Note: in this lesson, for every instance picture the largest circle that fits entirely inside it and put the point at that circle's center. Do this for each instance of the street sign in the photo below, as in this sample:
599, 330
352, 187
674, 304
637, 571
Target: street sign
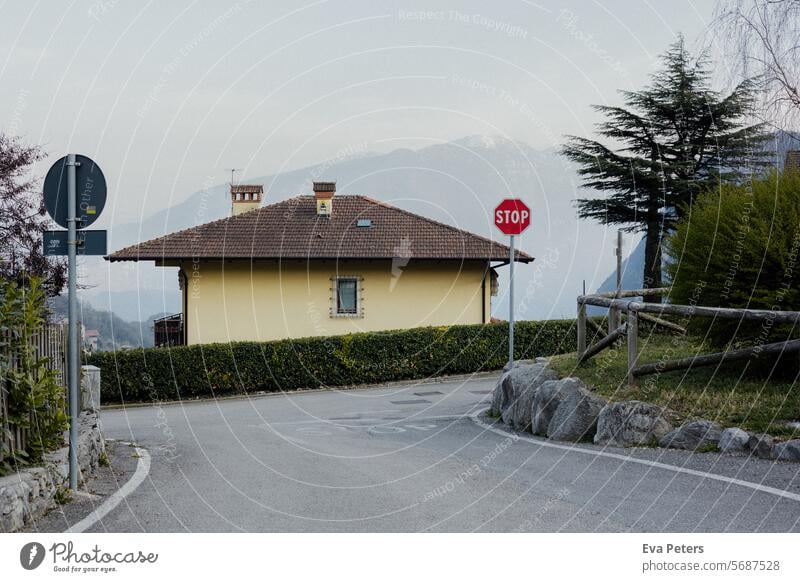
74, 195
90, 242
512, 216
90, 191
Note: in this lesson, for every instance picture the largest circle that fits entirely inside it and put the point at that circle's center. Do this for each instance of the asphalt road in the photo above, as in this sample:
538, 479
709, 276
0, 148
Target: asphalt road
410, 458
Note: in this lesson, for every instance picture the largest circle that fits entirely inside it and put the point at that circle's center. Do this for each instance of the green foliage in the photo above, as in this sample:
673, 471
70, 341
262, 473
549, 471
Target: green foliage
671, 139
35, 399
729, 394
186, 372
740, 247
62, 496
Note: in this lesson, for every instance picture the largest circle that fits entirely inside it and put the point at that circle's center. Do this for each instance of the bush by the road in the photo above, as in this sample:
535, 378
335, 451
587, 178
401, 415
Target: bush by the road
740, 247
185, 372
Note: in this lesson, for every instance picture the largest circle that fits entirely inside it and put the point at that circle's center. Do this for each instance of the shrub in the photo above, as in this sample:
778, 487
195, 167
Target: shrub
35, 399
184, 372
738, 247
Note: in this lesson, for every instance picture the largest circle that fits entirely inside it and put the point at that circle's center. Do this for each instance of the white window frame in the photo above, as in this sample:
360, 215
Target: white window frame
359, 312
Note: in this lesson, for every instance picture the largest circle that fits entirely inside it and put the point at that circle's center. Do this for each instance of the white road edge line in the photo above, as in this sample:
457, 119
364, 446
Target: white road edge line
142, 470
544, 443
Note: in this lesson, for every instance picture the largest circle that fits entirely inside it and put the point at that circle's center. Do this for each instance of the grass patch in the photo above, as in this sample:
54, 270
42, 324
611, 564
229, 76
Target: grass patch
732, 395
62, 496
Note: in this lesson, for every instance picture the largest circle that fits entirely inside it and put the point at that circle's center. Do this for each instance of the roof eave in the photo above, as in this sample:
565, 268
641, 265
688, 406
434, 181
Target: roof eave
118, 259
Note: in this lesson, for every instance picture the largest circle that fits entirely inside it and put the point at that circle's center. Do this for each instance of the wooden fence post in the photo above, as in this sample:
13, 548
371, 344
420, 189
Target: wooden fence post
633, 348
581, 328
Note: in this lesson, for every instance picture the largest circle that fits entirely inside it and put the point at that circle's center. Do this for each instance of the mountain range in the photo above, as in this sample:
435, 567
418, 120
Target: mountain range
458, 183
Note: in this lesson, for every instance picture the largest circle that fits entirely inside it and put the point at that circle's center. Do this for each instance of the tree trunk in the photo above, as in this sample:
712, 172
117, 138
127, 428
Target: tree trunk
652, 260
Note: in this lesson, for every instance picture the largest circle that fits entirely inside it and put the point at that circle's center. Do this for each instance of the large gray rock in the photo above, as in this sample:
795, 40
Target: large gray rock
693, 435
734, 441
519, 390
499, 402
631, 424
546, 400
498, 396
788, 451
761, 445
525, 395
576, 417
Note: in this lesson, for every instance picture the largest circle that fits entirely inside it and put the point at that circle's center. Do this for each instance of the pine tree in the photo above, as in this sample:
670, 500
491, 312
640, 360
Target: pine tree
673, 139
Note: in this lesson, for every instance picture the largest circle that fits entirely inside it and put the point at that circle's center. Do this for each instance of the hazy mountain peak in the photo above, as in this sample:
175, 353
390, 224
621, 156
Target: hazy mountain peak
489, 142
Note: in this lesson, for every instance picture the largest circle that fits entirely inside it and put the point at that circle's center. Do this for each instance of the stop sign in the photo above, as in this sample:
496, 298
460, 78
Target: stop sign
512, 216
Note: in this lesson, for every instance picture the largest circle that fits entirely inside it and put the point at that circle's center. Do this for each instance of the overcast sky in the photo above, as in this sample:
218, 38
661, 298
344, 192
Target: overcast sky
165, 96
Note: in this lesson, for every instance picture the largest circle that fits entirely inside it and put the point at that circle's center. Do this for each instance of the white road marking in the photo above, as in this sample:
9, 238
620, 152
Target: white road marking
142, 470
647, 463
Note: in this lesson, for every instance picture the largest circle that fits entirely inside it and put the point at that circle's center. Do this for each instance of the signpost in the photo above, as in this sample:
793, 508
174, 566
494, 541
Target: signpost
512, 216
74, 194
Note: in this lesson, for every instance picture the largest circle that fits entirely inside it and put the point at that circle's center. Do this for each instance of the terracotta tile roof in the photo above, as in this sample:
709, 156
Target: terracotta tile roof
292, 230
247, 188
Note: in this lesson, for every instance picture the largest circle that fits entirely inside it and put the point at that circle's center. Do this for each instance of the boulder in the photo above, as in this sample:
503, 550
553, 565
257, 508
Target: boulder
693, 435
546, 401
575, 418
503, 388
761, 445
788, 451
525, 395
498, 396
519, 390
734, 441
631, 424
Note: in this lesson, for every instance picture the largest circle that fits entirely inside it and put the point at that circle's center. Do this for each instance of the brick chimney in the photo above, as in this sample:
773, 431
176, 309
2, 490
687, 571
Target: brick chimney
245, 197
324, 193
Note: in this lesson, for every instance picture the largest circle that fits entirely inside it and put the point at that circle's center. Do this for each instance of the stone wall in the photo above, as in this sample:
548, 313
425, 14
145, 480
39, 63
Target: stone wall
31, 492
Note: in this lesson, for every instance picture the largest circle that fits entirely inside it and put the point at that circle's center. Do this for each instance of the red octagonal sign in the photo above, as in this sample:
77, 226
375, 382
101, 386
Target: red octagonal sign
512, 216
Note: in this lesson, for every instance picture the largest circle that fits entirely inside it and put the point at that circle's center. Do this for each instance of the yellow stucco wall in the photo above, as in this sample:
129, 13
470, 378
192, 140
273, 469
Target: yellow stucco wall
263, 301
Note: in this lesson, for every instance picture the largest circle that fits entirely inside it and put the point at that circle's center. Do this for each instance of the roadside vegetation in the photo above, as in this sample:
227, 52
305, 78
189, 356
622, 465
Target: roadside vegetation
203, 371
740, 247
35, 401
733, 394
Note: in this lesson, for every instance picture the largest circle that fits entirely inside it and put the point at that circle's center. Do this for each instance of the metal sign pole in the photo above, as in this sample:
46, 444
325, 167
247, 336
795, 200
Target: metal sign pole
72, 346
511, 305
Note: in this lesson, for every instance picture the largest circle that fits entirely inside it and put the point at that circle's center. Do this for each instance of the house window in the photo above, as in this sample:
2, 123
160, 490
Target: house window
346, 299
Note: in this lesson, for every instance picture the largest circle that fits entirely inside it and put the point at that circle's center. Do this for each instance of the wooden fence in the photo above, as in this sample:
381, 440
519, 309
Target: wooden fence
50, 343
617, 303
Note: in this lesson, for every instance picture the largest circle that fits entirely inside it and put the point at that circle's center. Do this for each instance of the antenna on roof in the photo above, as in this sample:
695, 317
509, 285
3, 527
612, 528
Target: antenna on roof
233, 171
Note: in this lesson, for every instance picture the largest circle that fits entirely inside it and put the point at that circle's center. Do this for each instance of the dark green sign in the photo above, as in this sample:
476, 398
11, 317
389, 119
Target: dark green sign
90, 242
90, 191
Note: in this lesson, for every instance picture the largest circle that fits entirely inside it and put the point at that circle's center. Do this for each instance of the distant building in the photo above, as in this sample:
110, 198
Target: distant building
90, 339
792, 161
321, 264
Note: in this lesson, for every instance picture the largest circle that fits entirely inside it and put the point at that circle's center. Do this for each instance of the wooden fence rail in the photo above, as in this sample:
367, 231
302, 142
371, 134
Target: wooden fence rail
49, 343
650, 312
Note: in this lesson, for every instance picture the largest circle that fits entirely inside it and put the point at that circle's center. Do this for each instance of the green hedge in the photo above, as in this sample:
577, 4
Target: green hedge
186, 372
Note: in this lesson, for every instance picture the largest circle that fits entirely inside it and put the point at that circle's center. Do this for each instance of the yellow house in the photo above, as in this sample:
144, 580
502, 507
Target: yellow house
321, 265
